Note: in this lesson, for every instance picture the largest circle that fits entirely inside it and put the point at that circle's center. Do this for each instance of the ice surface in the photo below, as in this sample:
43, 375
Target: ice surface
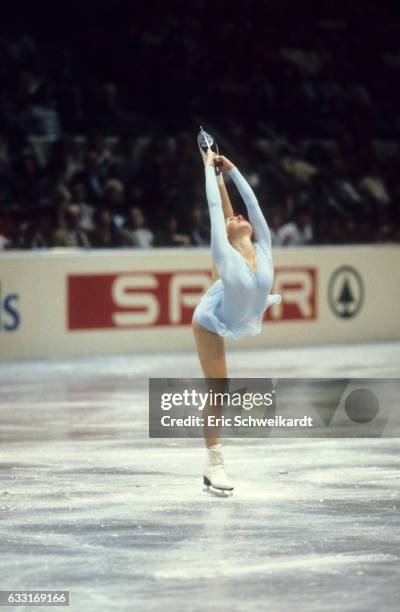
91, 505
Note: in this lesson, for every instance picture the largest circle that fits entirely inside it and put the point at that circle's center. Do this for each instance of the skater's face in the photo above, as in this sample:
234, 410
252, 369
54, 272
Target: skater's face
237, 227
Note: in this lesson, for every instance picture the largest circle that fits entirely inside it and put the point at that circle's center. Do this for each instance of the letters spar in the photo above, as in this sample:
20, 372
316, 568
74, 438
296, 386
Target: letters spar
184, 291
147, 299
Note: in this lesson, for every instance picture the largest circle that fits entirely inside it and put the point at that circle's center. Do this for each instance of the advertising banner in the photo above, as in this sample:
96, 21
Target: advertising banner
75, 302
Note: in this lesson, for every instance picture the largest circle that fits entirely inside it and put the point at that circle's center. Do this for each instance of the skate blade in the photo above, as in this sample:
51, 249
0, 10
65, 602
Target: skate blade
205, 141
208, 488
218, 492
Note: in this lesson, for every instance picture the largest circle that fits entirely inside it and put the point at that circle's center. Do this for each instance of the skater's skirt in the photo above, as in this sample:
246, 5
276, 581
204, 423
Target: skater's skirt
208, 315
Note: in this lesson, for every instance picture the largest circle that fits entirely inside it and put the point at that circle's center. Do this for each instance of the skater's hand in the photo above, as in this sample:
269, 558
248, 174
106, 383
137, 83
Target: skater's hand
209, 158
223, 163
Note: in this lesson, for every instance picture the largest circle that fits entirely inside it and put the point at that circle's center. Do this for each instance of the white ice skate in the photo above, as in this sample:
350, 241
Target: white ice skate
214, 477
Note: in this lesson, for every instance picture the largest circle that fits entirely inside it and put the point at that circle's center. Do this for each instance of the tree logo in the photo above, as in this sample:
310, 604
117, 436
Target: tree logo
345, 292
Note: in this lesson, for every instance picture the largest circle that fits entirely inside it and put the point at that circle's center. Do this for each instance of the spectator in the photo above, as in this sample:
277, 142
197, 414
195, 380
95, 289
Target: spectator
45, 117
41, 231
199, 231
134, 232
104, 156
34, 231
53, 187
91, 176
373, 186
28, 192
79, 197
274, 224
299, 169
21, 239
106, 235
322, 199
344, 188
299, 231
69, 232
114, 194
170, 237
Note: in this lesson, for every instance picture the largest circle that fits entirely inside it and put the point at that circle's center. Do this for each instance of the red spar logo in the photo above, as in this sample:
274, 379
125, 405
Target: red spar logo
147, 299
298, 288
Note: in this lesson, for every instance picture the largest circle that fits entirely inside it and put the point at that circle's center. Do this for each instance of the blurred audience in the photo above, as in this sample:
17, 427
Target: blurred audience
91, 157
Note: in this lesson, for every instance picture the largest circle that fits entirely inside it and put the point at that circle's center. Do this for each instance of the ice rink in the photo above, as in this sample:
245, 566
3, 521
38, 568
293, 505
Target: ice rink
91, 505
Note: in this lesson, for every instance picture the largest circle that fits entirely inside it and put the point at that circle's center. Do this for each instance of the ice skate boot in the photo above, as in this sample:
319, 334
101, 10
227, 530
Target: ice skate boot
214, 476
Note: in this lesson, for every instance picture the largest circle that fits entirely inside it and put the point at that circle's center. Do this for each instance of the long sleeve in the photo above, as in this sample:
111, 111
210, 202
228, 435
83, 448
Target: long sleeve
220, 247
256, 217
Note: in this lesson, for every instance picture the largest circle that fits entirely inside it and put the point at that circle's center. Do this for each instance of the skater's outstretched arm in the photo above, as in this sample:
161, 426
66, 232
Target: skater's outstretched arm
226, 202
256, 217
220, 247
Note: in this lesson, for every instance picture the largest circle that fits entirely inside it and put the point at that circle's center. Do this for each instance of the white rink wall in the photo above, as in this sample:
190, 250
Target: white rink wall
65, 303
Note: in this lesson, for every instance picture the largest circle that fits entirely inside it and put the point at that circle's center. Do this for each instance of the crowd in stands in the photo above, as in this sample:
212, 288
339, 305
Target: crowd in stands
98, 133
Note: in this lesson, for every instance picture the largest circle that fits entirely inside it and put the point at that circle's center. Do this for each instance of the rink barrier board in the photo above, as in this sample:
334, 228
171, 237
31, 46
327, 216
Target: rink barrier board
65, 303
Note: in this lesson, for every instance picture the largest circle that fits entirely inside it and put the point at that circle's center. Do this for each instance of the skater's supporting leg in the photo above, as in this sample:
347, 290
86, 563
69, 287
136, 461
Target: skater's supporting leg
211, 351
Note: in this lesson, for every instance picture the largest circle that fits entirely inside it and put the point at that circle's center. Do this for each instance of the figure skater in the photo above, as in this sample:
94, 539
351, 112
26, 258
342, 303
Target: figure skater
242, 274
